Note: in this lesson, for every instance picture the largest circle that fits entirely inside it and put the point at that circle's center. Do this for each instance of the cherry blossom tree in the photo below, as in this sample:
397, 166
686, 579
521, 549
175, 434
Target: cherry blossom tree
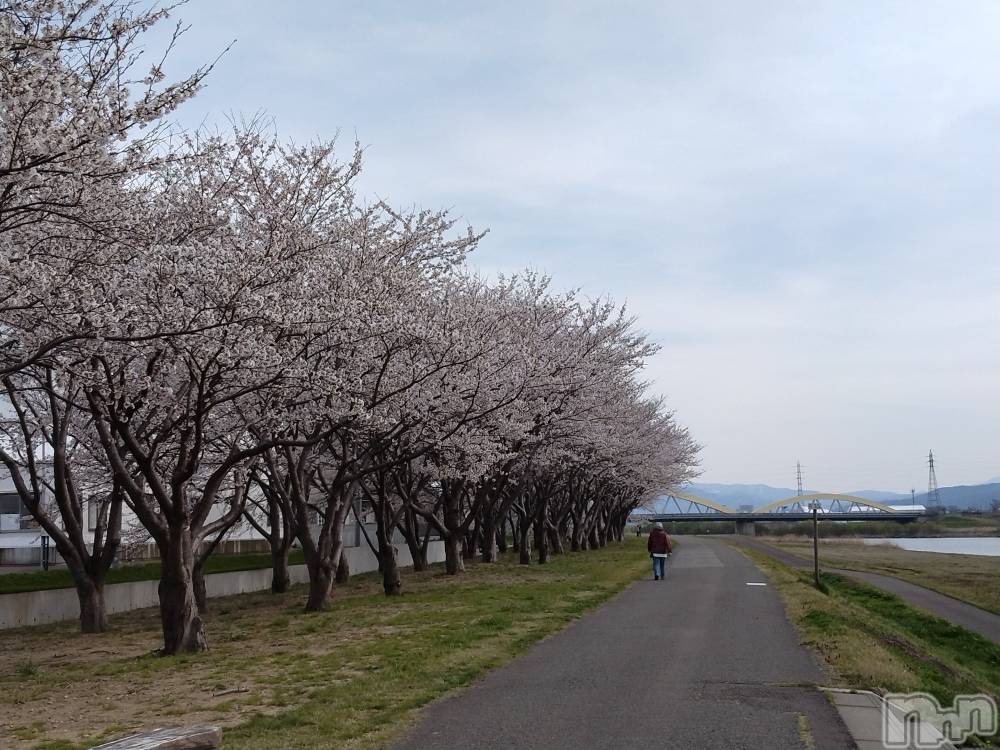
239, 237
373, 370
79, 120
208, 328
47, 446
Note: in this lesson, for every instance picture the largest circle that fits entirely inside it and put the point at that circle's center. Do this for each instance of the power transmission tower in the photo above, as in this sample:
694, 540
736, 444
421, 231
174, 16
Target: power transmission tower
798, 474
933, 496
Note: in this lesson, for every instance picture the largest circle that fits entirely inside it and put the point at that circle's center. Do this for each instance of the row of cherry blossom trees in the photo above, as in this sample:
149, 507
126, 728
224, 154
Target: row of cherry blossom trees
208, 329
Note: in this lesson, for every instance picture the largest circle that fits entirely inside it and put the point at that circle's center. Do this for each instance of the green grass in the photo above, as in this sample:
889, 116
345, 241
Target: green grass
353, 676
970, 578
949, 645
60, 578
929, 527
27, 668
965, 522
873, 640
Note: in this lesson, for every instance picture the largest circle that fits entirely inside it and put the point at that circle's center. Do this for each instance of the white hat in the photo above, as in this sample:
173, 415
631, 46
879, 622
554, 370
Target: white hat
657, 525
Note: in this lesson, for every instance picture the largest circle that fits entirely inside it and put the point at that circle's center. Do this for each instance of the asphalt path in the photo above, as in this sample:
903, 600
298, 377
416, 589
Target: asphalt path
968, 616
699, 660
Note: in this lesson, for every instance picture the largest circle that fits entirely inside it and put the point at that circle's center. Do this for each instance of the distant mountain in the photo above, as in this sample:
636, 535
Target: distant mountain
881, 496
759, 494
735, 495
972, 496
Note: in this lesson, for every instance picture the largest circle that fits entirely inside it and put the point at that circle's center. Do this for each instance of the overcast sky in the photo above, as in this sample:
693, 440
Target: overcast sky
799, 200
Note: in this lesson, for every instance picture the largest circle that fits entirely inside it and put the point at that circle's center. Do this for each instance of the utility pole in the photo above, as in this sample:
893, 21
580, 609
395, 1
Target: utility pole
933, 496
814, 506
913, 496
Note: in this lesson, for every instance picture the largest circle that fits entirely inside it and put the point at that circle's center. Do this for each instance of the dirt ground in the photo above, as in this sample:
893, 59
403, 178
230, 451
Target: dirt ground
61, 684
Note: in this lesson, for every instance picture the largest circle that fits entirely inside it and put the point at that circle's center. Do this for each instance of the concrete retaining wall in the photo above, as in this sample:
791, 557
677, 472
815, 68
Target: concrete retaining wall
55, 605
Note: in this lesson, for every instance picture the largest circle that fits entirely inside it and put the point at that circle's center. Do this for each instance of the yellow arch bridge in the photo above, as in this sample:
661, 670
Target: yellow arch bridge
683, 506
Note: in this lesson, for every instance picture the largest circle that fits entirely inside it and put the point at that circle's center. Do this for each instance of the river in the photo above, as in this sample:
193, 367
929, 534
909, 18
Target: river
987, 546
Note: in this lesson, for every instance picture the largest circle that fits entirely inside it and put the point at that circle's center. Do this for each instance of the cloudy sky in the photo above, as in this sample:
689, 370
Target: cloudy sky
799, 200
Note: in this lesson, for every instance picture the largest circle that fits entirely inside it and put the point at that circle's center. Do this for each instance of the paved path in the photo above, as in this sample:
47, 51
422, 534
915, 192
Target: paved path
987, 624
700, 660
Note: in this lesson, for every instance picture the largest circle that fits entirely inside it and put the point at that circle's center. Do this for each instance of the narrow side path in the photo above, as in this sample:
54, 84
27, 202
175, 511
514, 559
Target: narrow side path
699, 660
968, 616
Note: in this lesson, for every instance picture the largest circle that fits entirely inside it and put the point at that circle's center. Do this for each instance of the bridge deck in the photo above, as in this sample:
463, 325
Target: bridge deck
789, 516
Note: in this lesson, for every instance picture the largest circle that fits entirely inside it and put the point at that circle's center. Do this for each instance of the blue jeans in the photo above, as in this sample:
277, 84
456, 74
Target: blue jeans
659, 566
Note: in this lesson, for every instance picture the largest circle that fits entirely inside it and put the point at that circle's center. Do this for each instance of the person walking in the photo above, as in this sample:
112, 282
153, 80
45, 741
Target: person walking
660, 548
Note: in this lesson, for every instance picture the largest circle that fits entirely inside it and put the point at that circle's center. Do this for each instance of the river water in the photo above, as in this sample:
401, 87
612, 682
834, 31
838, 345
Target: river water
988, 546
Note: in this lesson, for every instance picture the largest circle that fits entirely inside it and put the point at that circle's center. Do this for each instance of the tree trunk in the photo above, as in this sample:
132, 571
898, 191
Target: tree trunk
576, 539
89, 587
323, 551
454, 539
471, 542
425, 542
419, 555
418, 549
555, 542
200, 591
391, 583
280, 580
524, 540
524, 550
388, 561
541, 543
541, 536
343, 568
410, 530
453, 561
502, 535
181, 621
321, 576
93, 618
603, 522
489, 541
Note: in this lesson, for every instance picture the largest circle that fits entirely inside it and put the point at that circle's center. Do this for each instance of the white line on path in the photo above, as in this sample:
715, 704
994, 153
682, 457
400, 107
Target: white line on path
756, 584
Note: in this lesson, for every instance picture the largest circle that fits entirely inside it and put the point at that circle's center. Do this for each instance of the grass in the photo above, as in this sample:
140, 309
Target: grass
966, 522
951, 525
352, 677
27, 669
971, 578
60, 578
873, 640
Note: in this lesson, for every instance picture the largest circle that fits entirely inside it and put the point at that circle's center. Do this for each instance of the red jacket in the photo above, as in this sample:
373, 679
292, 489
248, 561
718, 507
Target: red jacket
658, 542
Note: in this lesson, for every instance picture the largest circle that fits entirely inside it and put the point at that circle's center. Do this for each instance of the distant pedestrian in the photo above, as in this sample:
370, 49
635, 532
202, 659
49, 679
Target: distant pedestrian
660, 548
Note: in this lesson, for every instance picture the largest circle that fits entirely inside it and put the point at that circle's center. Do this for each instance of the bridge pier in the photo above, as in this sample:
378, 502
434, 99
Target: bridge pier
746, 528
